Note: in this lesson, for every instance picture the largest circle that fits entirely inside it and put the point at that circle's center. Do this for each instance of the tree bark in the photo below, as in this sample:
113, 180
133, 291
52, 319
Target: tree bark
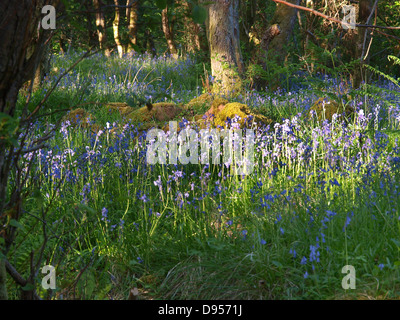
190, 28
90, 25
101, 27
150, 47
223, 37
168, 32
285, 18
117, 37
132, 18
3, 279
364, 11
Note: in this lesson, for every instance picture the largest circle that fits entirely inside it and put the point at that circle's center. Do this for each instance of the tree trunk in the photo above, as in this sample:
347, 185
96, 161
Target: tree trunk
117, 36
168, 32
364, 11
150, 47
21, 49
223, 37
3, 279
285, 18
101, 27
132, 18
191, 29
91, 32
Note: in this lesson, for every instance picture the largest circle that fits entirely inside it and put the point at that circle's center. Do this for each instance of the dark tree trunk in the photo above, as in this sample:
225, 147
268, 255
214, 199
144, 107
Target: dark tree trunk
285, 18
150, 47
364, 11
168, 32
191, 29
22, 46
90, 25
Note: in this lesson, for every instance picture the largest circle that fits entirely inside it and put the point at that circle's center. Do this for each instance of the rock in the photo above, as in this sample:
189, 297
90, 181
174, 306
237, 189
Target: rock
325, 109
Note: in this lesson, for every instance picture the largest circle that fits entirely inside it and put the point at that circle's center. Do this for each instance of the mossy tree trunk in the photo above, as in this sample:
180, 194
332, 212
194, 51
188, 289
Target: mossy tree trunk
227, 65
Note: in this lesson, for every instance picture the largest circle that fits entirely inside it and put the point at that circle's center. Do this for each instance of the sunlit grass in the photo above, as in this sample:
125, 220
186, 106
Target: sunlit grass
322, 195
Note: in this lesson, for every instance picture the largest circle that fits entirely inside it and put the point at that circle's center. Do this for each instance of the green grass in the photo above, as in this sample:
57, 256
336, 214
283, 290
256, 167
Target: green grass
208, 234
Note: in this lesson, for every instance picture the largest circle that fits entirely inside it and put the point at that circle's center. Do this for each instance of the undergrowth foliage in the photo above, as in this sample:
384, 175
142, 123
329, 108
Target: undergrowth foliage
322, 195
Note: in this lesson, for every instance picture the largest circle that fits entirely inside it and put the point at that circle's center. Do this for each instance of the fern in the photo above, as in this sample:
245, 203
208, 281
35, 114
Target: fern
395, 60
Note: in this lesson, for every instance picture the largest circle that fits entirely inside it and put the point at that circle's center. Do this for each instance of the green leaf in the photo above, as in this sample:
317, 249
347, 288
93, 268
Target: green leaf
396, 242
28, 287
199, 14
16, 224
161, 4
84, 207
277, 264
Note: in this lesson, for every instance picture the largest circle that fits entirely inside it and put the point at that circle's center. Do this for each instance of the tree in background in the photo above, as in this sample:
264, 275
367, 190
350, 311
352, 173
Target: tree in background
132, 20
222, 27
168, 29
284, 17
101, 27
116, 22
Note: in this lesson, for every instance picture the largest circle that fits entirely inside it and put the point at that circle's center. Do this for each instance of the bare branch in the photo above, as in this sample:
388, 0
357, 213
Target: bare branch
330, 18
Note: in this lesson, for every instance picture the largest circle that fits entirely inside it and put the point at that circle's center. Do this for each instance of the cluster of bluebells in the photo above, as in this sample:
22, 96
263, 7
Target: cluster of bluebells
325, 155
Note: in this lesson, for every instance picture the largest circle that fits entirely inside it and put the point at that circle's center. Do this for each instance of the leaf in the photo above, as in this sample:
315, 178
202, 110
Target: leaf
28, 287
16, 224
277, 264
83, 207
161, 4
199, 14
396, 242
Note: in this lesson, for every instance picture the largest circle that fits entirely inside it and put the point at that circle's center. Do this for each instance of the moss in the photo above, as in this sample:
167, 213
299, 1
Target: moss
238, 109
121, 107
215, 106
141, 115
79, 117
201, 103
156, 115
325, 109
